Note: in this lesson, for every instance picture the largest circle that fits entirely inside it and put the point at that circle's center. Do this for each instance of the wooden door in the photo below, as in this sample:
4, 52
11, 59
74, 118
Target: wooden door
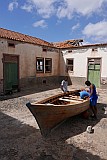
94, 72
11, 74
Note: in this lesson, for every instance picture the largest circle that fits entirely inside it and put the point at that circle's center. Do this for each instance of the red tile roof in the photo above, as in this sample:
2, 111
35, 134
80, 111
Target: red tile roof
4, 33
8, 34
68, 43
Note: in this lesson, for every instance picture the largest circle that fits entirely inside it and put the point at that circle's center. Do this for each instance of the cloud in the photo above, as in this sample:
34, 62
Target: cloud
26, 7
64, 8
75, 27
40, 23
83, 7
96, 31
41, 7
12, 5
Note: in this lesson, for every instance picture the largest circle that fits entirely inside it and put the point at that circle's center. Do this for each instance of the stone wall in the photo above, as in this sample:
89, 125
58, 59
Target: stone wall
43, 82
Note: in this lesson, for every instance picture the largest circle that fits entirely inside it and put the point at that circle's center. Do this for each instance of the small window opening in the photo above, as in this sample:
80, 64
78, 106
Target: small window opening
44, 50
11, 45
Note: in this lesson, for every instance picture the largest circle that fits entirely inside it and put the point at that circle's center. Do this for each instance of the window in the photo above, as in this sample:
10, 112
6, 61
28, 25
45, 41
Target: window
94, 49
11, 45
69, 51
48, 65
69, 64
40, 64
44, 49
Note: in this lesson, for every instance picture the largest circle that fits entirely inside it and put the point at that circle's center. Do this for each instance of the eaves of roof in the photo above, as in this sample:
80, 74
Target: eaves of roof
68, 44
7, 34
87, 46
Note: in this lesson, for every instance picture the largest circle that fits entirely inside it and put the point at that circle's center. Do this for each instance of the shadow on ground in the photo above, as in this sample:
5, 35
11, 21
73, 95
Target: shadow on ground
78, 124
19, 141
70, 128
28, 91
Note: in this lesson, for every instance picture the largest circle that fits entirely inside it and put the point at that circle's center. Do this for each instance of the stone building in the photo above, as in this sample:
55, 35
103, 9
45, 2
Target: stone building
85, 62
27, 62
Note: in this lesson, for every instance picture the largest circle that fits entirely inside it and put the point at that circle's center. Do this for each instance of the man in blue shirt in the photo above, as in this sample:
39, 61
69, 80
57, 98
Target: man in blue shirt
93, 98
84, 94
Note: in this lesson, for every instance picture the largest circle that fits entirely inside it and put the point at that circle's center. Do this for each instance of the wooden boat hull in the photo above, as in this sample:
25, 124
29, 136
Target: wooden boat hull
49, 115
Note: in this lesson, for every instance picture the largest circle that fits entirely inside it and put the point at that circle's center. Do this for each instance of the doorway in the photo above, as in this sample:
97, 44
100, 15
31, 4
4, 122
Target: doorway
94, 69
11, 73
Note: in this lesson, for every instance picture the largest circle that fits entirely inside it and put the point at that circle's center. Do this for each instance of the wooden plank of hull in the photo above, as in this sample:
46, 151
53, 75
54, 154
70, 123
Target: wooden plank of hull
49, 116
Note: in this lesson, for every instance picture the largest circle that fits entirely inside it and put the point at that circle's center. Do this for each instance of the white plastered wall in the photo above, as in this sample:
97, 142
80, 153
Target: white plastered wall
80, 57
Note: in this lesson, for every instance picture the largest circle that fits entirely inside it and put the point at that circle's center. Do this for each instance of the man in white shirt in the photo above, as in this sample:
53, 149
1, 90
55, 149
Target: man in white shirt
64, 85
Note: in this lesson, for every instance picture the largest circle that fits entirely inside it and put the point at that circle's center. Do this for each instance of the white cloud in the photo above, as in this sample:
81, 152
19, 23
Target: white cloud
26, 7
12, 5
40, 23
96, 31
58, 22
75, 27
45, 8
83, 7
64, 8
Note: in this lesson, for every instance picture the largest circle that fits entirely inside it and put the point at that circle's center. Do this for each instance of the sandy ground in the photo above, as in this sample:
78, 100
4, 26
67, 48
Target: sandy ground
20, 137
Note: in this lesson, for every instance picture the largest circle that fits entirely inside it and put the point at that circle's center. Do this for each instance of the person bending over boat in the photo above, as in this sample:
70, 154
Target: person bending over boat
64, 85
84, 94
93, 98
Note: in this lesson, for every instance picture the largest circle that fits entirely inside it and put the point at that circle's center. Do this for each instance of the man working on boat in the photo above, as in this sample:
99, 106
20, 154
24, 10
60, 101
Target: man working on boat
64, 85
93, 98
84, 94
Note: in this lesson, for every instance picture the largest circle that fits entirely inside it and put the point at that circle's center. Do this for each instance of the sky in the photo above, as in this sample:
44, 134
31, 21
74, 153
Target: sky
56, 20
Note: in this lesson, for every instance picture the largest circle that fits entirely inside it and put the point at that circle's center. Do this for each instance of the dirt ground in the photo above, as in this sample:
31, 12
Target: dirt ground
20, 137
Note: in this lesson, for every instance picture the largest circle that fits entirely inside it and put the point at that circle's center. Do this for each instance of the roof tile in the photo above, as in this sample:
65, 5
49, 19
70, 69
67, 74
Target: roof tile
68, 43
4, 33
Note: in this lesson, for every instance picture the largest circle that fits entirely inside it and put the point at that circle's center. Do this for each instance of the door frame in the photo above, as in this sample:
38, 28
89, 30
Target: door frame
100, 59
10, 58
